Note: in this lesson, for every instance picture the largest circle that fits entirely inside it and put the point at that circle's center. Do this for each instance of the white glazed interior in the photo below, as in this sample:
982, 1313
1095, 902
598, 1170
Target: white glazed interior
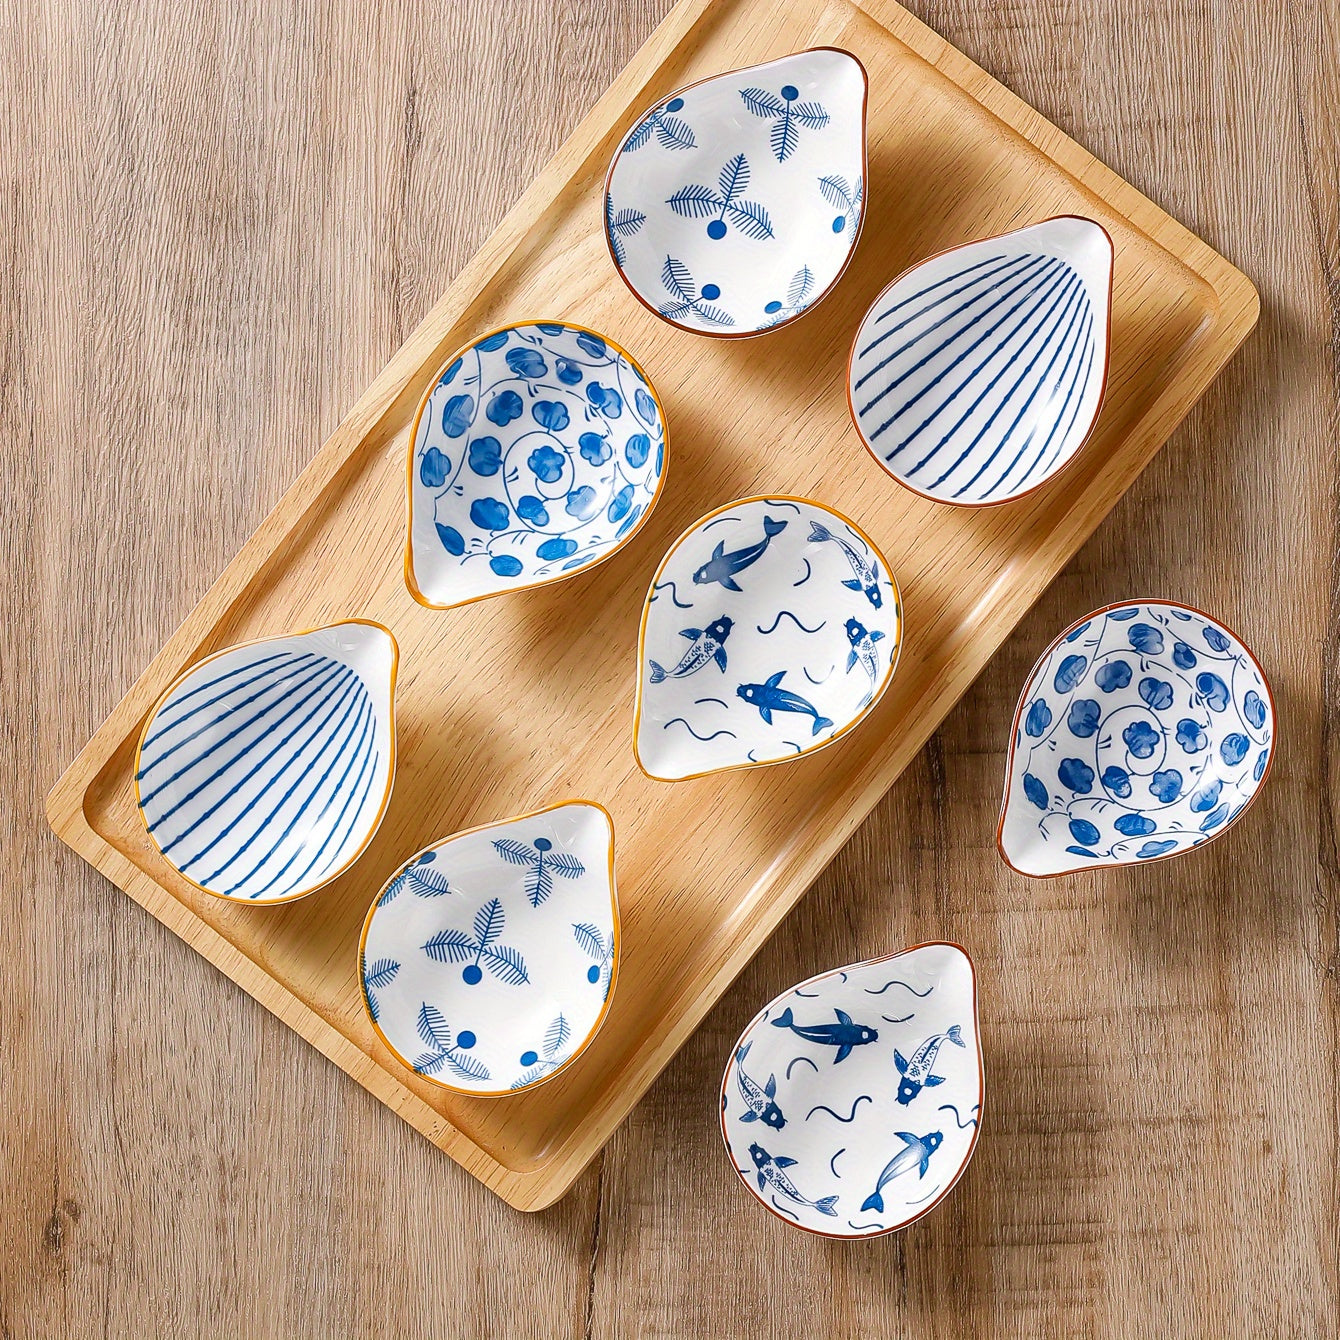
265, 770
978, 374
479, 977
788, 1095
539, 452
794, 614
782, 231
1125, 689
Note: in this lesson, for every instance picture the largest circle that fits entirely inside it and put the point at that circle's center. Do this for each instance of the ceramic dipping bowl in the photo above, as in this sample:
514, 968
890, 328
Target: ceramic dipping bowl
487, 962
735, 204
771, 628
1145, 730
265, 769
850, 1105
978, 374
538, 451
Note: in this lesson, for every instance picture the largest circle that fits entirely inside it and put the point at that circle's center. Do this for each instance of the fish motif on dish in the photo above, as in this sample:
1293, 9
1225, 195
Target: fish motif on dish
708, 644
916, 1153
844, 1034
751, 188
917, 1073
795, 610
1144, 731
761, 1100
491, 961
853, 1138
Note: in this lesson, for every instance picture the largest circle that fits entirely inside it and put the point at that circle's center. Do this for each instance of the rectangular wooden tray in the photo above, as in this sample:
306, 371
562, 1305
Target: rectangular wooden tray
510, 704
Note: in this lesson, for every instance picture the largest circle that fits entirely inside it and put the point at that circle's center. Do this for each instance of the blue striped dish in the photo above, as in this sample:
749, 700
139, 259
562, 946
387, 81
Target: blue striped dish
264, 770
978, 374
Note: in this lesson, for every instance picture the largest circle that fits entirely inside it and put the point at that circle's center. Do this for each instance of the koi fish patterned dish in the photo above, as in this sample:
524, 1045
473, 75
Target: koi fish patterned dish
265, 769
488, 961
539, 451
771, 628
1144, 731
978, 374
850, 1105
735, 204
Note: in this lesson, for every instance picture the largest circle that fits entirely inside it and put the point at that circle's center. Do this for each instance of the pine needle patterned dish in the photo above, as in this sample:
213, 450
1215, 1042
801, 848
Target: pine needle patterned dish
771, 628
733, 206
978, 374
265, 769
488, 961
1144, 731
850, 1105
539, 451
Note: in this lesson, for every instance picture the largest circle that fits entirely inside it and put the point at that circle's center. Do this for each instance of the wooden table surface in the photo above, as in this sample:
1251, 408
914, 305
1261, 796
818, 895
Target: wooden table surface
215, 227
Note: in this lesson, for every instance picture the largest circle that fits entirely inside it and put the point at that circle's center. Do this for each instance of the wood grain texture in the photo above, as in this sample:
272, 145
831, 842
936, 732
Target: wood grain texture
214, 233
707, 868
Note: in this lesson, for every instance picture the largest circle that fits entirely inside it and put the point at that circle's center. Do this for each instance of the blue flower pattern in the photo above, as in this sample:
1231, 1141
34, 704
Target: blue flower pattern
1140, 734
520, 455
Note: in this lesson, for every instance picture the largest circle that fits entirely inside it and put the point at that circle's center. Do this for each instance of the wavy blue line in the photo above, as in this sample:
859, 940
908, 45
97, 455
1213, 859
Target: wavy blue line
808, 995
796, 1060
962, 1125
860, 1228
822, 1107
674, 594
903, 1020
794, 746
784, 1210
788, 615
694, 733
808, 573
780, 502
920, 995
924, 1198
825, 679
833, 1160
716, 521
697, 702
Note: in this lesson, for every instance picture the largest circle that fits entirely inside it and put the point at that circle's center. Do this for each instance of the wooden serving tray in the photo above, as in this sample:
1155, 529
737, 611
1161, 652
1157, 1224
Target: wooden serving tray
511, 704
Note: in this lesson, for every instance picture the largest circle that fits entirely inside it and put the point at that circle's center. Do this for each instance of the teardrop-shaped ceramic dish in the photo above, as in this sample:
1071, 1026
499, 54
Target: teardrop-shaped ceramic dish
735, 204
488, 961
538, 452
1145, 730
850, 1104
264, 771
771, 628
978, 374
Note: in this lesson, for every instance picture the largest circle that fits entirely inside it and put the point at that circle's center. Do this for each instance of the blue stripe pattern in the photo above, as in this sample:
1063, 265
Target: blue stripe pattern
258, 783
971, 388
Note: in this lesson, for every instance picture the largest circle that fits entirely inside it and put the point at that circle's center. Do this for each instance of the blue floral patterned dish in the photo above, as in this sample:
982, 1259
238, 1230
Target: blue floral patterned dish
850, 1105
265, 769
1145, 730
487, 962
978, 374
734, 205
771, 628
539, 451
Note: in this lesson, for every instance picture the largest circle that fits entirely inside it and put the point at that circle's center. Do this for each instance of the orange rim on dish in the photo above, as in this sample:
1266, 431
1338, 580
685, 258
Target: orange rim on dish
614, 961
894, 657
411, 583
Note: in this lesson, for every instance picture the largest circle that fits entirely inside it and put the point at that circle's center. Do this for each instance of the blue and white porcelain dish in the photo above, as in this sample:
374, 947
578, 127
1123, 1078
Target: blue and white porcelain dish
264, 770
850, 1105
488, 961
538, 452
734, 205
978, 374
771, 628
1144, 731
